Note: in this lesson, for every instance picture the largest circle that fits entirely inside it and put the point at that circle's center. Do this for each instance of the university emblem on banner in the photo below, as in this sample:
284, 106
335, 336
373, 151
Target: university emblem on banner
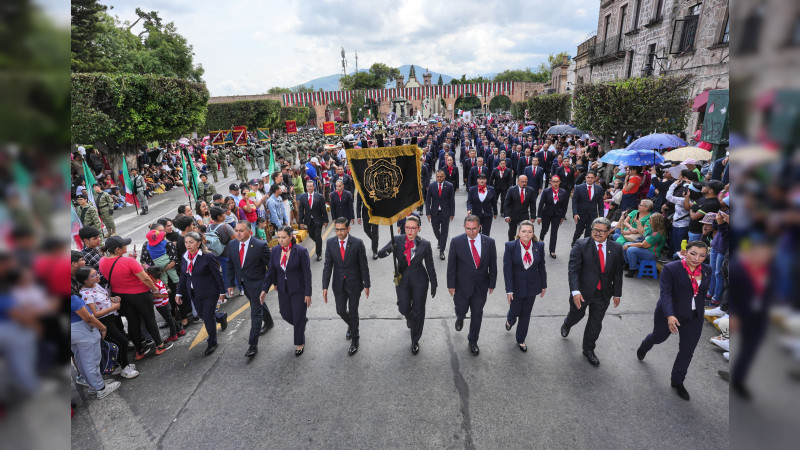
382, 178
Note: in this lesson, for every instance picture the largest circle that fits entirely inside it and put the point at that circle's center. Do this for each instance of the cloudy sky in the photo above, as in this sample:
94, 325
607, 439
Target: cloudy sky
248, 46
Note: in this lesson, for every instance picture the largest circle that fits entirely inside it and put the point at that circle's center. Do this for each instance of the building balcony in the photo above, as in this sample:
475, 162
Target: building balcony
610, 49
584, 47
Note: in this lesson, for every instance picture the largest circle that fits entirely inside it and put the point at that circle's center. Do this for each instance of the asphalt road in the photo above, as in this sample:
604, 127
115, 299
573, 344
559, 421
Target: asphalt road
444, 397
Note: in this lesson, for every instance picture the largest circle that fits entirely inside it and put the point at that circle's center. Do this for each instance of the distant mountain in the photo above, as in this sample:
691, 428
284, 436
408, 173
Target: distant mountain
331, 82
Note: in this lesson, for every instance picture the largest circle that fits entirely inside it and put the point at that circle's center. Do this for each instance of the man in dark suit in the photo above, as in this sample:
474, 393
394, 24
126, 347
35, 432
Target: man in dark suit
546, 159
552, 211
520, 204
501, 182
247, 261
471, 273
535, 176
524, 161
467, 166
346, 259
595, 275
587, 205
342, 203
412, 288
567, 176
440, 207
349, 184
370, 229
477, 169
481, 203
313, 215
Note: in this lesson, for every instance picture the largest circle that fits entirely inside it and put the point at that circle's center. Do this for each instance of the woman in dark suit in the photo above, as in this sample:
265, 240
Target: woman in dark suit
525, 276
201, 282
680, 310
289, 271
451, 172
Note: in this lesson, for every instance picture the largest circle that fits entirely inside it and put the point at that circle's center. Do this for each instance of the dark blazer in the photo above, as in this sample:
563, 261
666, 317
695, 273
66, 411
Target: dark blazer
520, 211
467, 166
473, 175
415, 273
547, 207
520, 281
343, 207
252, 273
347, 181
205, 281
676, 291
545, 163
581, 204
317, 213
353, 272
296, 278
462, 275
584, 268
447, 201
501, 183
453, 179
522, 163
485, 208
567, 181
535, 181
425, 175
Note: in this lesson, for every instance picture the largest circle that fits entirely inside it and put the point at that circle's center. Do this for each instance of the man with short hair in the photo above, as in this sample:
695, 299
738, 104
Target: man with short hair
88, 213
105, 205
440, 206
233, 191
520, 204
211, 162
587, 205
205, 189
140, 189
92, 239
313, 215
552, 211
481, 203
346, 260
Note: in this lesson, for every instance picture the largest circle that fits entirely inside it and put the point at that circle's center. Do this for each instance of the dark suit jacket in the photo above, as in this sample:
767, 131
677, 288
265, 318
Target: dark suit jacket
467, 167
548, 162
487, 207
548, 208
343, 207
414, 274
425, 175
296, 278
676, 291
520, 281
347, 180
567, 181
353, 272
535, 181
520, 211
500, 183
453, 179
473, 175
205, 282
252, 274
584, 268
462, 275
317, 213
522, 163
447, 201
585, 208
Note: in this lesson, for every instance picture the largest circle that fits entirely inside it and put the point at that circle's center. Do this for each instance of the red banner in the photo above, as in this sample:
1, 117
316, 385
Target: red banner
329, 128
240, 135
217, 137
291, 127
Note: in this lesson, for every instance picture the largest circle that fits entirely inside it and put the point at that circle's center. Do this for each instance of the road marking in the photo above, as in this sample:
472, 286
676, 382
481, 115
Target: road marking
202, 334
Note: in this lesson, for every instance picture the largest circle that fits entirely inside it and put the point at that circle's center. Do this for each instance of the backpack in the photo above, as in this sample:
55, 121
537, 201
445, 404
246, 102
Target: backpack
109, 352
213, 242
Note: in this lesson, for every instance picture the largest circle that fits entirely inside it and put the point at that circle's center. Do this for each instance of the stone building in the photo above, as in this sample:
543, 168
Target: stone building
637, 38
558, 77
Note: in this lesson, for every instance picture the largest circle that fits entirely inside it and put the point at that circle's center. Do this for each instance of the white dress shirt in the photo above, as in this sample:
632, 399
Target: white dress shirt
239, 249
597, 249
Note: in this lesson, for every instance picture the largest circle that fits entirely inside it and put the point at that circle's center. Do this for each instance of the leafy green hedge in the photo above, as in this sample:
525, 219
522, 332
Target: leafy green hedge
547, 108
253, 114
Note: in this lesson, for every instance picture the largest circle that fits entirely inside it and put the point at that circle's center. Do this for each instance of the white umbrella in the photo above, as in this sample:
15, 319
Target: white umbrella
423, 123
184, 141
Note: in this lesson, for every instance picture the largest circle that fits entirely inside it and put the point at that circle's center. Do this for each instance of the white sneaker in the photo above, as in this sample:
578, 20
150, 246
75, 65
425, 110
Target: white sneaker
110, 387
129, 371
727, 356
716, 312
722, 343
716, 321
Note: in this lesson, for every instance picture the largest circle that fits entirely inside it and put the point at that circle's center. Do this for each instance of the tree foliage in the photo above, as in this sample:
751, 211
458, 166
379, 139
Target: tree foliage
610, 109
518, 109
440, 82
300, 88
499, 103
250, 113
120, 112
296, 113
467, 102
549, 108
474, 80
540, 76
85, 26
376, 78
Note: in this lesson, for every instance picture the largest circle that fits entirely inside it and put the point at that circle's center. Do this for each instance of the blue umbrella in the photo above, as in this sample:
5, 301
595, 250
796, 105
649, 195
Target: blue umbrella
657, 141
632, 157
528, 128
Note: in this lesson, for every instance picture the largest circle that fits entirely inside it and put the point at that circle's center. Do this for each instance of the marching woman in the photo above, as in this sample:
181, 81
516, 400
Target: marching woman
451, 172
289, 270
680, 310
201, 283
525, 276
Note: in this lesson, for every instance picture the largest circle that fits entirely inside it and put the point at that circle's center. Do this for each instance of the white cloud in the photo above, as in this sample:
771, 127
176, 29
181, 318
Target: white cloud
248, 46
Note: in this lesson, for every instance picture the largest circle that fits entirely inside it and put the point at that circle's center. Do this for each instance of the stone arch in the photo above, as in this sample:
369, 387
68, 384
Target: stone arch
499, 103
467, 102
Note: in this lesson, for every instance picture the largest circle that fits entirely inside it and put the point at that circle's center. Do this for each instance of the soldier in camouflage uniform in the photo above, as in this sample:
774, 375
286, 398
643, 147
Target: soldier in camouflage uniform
105, 204
205, 190
240, 165
223, 161
259, 152
251, 153
211, 162
88, 213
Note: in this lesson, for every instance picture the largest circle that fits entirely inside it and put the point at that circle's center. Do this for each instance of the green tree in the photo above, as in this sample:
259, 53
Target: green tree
122, 112
85, 26
518, 109
549, 108
499, 103
465, 80
467, 102
540, 76
554, 60
610, 109
440, 82
358, 107
251, 113
376, 78
279, 90
296, 113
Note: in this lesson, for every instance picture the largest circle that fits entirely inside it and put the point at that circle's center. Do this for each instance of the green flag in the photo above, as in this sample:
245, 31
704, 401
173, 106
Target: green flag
130, 197
190, 176
272, 166
90, 182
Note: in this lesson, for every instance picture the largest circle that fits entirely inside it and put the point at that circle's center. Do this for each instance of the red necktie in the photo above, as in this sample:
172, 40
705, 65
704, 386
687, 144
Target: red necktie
527, 258
284, 255
341, 249
440, 190
241, 255
602, 257
475, 255
590, 192
310, 198
407, 252
555, 196
191, 262
521, 195
340, 196
450, 170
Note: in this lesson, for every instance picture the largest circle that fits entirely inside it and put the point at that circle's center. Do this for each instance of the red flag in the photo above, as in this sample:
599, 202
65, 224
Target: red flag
291, 127
329, 128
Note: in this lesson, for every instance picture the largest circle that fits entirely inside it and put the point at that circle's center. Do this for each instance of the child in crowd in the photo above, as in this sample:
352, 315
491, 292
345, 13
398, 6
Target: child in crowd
161, 302
261, 229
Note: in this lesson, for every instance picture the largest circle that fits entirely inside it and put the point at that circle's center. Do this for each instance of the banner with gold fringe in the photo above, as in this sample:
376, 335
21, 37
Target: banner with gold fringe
388, 179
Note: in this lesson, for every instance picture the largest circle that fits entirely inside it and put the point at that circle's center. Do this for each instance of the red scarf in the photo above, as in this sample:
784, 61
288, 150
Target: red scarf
482, 189
407, 251
192, 256
284, 254
450, 170
693, 275
527, 259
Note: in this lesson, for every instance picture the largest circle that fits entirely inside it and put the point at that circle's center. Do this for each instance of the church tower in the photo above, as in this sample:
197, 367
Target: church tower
427, 77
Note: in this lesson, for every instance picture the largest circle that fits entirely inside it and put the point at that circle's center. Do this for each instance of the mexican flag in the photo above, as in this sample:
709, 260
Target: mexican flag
90, 182
130, 198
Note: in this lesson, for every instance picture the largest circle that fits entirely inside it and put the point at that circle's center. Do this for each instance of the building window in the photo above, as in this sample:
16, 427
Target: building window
651, 56
623, 14
726, 30
695, 10
629, 71
659, 9
684, 32
751, 31
580, 80
636, 14
794, 39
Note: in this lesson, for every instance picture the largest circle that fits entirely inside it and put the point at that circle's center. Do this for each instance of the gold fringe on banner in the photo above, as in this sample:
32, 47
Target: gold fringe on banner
389, 152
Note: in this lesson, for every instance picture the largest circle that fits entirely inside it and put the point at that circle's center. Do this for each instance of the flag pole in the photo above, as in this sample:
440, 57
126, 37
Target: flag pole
397, 275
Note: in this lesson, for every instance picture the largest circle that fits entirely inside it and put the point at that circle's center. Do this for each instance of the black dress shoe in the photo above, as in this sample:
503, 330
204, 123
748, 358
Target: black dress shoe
682, 392
224, 322
319, 257
591, 357
459, 324
441, 255
522, 347
374, 256
415, 348
553, 255
266, 327
348, 335
473, 347
564, 331
508, 327
353, 347
640, 353
299, 352
211, 349
251, 352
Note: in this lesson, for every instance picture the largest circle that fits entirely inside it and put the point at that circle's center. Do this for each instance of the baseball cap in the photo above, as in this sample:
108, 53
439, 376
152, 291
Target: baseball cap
233, 187
709, 218
115, 242
264, 174
253, 182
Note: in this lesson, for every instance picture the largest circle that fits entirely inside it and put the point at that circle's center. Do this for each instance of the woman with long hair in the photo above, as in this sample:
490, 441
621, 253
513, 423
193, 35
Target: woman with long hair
648, 249
525, 277
201, 213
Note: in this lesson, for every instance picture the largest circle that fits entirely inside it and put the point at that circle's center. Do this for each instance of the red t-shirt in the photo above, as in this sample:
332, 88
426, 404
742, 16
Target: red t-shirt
250, 216
124, 279
636, 180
